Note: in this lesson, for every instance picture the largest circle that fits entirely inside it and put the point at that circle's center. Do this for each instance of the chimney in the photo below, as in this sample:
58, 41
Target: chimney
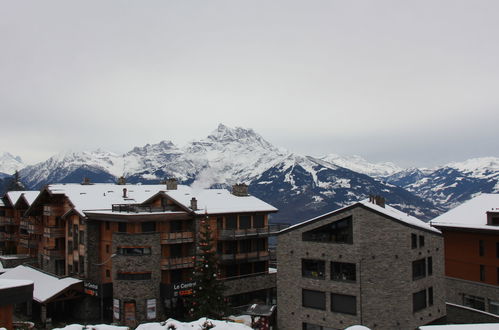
240, 189
194, 204
86, 181
121, 181
124, 193
378, 200
171, 184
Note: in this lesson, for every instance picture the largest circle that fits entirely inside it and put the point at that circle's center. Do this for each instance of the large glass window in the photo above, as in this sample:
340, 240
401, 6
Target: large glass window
134, 251
418, 269
313, 268
342, 303
314, 299
337, 232
419, 300
494, 307
244, 222
343, 271
258, 221
474, 302
148, 226
231, 222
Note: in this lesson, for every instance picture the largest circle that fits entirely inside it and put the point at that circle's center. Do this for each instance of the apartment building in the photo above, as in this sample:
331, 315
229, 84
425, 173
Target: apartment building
366, 263
471, 239
135, 245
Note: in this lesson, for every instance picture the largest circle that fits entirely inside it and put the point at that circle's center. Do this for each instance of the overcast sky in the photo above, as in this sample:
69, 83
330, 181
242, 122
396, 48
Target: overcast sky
413, 82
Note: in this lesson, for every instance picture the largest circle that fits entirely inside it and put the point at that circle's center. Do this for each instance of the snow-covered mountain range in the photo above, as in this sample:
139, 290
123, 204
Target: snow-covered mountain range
300, 186
9, 164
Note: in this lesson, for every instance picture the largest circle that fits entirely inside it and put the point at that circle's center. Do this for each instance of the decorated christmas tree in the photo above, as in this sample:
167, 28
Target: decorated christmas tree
207, 299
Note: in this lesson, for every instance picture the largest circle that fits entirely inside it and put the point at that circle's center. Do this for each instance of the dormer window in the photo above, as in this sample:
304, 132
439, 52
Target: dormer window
493, 218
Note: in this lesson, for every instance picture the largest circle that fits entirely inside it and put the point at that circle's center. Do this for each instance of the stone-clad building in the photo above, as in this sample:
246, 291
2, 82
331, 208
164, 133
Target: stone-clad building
366, 263
471, 238
135, 245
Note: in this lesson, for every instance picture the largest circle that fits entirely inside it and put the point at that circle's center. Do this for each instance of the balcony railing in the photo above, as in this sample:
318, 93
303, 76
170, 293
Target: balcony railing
34, 229
177, 263
53, 232
6, 221
134, 208
246, 256
24, 224
6, 237
271, 229
53, 253
26, 242
176, 238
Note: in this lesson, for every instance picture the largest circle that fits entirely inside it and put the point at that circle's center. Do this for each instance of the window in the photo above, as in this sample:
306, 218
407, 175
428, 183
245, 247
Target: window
429, 265
430, 296
107, 248
244, 222
122, 227
494, 307
482, 273
245, 246
414, 241
313, 268
134, 276
342, 303
260, 267
418, 269
176, 226
107, 225
82, 264
419, 300
261, 244
134, 251
149, 226
337, 232
481, 248
258, 221
421, 241
70, 230
82, 237
497, 250
175, 250
342, 271
314, 299
231, 222
474, 302
108, 273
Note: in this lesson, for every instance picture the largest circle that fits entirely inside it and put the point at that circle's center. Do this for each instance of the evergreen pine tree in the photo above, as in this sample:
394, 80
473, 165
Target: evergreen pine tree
207, 299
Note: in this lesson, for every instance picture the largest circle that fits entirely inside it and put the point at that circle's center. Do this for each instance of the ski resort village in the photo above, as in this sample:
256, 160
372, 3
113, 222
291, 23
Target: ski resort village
233, 233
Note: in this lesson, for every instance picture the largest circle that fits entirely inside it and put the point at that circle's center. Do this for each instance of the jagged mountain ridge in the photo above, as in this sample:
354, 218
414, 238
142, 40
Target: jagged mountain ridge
300, 186
9, 164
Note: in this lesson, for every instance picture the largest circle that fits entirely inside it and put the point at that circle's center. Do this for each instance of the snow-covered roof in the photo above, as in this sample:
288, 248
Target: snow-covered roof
6, 284
218, 201
103, 196
30, 196
13, 196
45, 286
386, 210
471, 214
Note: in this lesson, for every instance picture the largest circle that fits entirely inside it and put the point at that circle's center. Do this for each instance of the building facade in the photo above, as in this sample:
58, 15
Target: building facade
471, 238
367, 264
135, 245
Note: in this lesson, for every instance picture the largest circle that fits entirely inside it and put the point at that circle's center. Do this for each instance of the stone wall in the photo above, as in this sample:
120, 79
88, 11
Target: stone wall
138, 291
456, 288
384, 288
250, 284
92, 261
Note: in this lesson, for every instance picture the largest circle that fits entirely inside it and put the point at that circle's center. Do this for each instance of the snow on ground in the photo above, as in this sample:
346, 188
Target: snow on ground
168, 324
481, 326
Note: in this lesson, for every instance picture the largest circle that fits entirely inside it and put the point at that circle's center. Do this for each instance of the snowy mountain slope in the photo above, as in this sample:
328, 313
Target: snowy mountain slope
9, 164
360, 165
316, 187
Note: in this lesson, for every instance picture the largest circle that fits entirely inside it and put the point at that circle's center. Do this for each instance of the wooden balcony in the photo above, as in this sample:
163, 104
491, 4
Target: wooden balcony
246, 256
34, 229
53, 253
4, 221
6, 237
24, 224
53, 232
232, 234
27, 243
177, 263
176, 238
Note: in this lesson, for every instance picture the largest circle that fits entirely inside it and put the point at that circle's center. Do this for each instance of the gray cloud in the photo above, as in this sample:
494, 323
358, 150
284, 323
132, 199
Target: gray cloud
417, 78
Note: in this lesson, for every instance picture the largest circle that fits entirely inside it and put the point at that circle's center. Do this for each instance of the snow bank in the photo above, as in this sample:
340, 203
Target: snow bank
218, 325
92, 327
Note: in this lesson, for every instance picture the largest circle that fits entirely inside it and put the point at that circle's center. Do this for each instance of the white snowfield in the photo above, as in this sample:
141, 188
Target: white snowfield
168, 324
481, 326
